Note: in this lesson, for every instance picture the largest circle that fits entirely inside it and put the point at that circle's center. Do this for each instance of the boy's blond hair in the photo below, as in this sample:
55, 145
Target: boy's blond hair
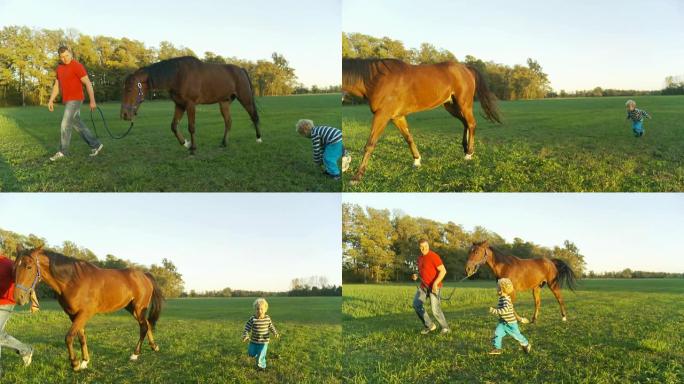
630, 102
261, 302
304, 126
506, 285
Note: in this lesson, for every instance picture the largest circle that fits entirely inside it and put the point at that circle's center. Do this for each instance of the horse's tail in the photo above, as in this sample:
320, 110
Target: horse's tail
254, 115
565, 275
156, 302
487, 99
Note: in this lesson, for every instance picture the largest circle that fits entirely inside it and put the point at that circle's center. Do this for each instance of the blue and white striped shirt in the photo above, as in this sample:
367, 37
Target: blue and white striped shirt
258, 329
505, 310
320, 137
636, 115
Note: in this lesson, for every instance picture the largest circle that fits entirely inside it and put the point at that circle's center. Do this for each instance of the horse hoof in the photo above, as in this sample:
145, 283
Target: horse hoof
84, 364
469, 156
134, 357
565, 318
416, 163
155, 348
354, 182
187, 144
259, 140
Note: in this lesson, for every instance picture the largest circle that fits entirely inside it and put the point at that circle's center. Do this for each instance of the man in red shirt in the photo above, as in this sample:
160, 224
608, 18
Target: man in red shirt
432, 272
6, 306
71, 76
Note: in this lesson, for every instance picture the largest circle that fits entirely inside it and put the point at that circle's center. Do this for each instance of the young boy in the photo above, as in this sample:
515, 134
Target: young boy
637, 117
508, 319
257, 332
327, 146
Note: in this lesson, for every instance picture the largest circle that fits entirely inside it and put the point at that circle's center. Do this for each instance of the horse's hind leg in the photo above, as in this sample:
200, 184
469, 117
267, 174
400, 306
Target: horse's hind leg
555, 288
536, 293
401, 123
380, 121
177, 116
139, 314
455, 111
225, 111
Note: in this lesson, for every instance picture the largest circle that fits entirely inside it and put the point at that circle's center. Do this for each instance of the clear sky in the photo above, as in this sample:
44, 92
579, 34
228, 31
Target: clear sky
306, 32
256, 241
613, 231
626, 44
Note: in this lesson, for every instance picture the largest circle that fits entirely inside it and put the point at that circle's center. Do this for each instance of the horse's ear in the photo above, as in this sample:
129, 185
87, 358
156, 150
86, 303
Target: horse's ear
20, 248
485, 243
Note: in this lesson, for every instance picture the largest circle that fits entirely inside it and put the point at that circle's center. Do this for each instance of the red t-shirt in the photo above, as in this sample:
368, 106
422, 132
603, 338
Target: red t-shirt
427, 267
69, 77
6, 281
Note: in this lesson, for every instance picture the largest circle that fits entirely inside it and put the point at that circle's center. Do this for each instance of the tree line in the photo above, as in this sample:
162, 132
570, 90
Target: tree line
169, 279
381, 246
505, 81
627, 273
310, 286
28, 58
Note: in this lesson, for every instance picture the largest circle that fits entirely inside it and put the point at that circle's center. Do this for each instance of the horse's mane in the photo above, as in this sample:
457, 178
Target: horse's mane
164, 72
64, 268
365, 70
501, 257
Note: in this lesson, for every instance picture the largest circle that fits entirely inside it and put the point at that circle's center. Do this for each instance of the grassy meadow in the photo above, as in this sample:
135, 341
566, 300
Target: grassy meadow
582, 144
199, 339
150, 158
618, 331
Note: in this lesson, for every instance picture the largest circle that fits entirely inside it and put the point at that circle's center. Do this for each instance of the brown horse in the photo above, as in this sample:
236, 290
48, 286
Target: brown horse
395, 89
524, 273
191, 82
84, 290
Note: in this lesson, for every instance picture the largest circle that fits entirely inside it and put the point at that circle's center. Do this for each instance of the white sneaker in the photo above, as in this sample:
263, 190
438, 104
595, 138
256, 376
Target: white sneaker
97, 150
27, 357
425, 331
57, 156
346, 160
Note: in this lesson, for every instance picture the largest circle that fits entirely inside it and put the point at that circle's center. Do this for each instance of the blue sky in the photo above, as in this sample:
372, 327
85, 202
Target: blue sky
613, 231
306, 32
626, 44
238, 240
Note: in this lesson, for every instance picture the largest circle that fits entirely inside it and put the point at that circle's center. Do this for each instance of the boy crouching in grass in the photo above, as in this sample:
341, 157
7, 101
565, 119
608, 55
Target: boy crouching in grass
508, 319
327, 146
257, 332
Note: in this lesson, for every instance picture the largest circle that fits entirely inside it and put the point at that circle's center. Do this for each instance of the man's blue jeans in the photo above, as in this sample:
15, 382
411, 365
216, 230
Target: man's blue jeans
72, 119
435, 303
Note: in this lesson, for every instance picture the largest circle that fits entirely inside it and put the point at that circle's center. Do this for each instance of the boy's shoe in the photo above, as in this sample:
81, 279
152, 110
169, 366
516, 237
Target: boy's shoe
444, 331
428, 330
495, 351
95, 151
346, 160
27, 357
56, 156
527, 348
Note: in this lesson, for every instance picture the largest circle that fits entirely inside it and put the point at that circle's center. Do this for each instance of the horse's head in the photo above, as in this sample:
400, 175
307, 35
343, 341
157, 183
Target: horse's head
477, 255
26, 274
135, 89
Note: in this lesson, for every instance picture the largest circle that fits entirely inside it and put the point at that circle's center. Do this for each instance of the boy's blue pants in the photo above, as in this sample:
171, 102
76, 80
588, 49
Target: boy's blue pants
259, 352
503, 329
638, 127
331, 155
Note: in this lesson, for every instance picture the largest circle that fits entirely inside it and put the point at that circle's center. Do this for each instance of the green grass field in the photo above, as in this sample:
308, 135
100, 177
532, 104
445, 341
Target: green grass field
150, 158
199, 340
618, 331
544, 145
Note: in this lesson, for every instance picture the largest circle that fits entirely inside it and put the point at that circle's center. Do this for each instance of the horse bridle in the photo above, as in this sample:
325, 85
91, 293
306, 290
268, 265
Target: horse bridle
141, 97
36, 279
481, 263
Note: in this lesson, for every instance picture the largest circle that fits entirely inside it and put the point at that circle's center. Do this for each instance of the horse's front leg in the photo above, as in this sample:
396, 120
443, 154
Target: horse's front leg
380, 121
191, 127
177, 116
77, 325
536, 293
84, 349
